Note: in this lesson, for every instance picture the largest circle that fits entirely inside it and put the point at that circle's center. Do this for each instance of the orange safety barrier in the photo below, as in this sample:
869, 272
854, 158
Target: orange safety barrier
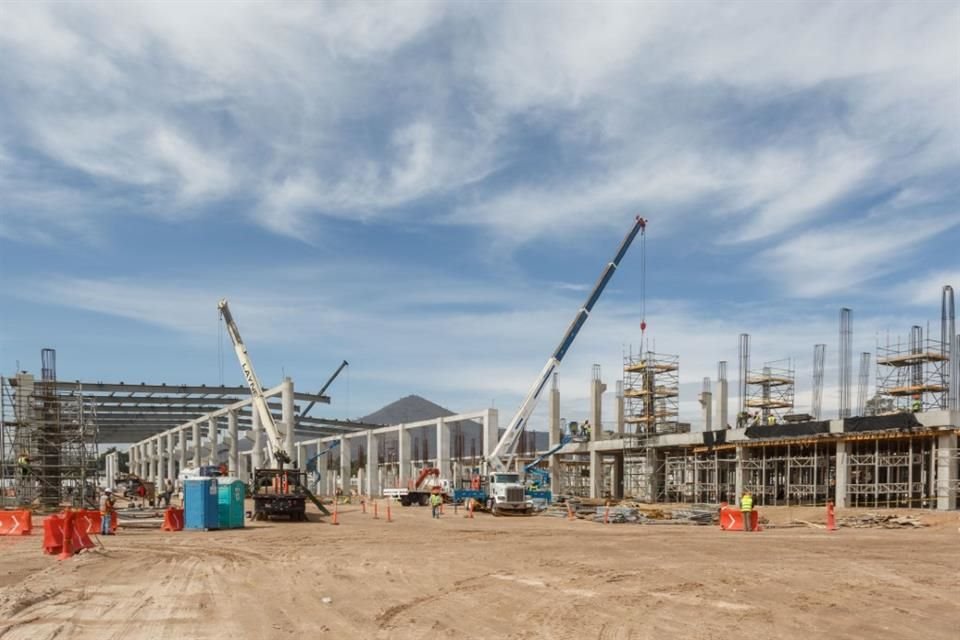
731, 519
389, 517
61, 537
15, 523
336, 514
831, 518
172, 519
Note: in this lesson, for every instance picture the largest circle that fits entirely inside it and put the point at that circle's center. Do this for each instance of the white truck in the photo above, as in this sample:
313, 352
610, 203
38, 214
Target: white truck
418, 491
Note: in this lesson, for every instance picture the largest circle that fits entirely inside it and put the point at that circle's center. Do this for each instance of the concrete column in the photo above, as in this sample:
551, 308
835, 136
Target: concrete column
171, 457
651, 472
947, 472
596, 474
740, 475
197, 447
373, 465
182, 443
443, 448
213, 435
234, 432
403, 455
596, 405
345, 466
256, 433
132, 460
287, 414
842, 476
555, 430
141, 468
155, 461
323, 463
706, 404
620, 417
491, 431
302, 457
722, 393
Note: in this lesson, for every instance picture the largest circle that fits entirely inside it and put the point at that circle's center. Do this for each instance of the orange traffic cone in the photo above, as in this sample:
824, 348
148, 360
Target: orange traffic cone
389, 517
831, 518
336, 513
375, 515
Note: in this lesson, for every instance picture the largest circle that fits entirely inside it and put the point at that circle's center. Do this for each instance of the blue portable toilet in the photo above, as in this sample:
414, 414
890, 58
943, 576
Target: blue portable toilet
232, 493
200, 504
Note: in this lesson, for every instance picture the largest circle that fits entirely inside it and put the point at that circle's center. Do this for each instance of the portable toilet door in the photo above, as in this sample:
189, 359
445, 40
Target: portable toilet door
232, 493
201, 508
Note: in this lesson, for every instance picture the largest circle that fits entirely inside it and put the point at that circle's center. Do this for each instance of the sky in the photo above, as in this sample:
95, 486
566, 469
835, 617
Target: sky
429, 190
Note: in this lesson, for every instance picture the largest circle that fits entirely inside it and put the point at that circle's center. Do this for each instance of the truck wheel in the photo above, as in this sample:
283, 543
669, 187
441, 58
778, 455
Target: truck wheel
424, 500
404, 501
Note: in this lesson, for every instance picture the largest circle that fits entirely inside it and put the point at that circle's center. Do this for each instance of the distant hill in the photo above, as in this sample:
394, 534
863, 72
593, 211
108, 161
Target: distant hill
412, 408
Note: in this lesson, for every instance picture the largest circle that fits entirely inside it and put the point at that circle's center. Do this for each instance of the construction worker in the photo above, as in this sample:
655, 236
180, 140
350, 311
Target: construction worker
746, 509
755, 420
435, 501
23, 463
771, 420
585, 429
742, 419
916, 406
106, 511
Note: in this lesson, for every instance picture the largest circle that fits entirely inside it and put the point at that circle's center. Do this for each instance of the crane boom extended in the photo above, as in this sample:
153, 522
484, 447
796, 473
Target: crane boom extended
499, 458
274, 441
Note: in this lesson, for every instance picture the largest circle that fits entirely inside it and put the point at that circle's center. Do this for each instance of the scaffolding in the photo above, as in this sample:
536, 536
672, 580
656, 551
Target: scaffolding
49, 441
700, 477
916, 369
771, 389
790, 474
893, 472
651, 392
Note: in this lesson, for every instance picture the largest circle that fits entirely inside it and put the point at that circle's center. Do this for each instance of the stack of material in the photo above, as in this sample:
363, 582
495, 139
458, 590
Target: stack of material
880, 521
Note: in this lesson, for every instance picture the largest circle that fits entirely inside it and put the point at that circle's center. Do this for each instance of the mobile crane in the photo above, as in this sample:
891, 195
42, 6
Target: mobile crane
505, 492
276, 491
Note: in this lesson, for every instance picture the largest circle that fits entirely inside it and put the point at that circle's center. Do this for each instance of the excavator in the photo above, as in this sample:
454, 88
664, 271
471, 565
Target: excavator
277, 491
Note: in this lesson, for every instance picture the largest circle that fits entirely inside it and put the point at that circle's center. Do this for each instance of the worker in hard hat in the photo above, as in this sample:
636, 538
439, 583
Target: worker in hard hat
585, 430
435, 501
106, 511
771, 420
23, 463
746, 509
917, 405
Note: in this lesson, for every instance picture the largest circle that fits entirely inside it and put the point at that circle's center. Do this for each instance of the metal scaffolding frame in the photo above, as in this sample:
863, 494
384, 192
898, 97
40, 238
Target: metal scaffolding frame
892, 472
771, 389
651, 391
917, 367
790, 474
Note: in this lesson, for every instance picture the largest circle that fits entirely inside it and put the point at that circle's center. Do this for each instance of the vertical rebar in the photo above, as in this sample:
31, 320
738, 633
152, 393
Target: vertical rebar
947, 331
846, 357
863, 383
819, 356
744, 369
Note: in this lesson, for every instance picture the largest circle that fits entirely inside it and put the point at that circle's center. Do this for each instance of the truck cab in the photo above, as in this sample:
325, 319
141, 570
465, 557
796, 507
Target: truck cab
506, 495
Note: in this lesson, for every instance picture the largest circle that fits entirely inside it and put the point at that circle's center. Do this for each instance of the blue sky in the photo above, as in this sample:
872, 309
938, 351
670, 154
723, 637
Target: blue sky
429, 190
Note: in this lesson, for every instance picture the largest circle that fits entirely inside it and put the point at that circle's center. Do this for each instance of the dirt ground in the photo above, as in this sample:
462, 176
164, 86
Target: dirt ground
492, 578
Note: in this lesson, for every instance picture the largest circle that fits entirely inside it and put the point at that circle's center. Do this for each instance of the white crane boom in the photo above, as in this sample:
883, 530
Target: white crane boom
274, 440
500, 457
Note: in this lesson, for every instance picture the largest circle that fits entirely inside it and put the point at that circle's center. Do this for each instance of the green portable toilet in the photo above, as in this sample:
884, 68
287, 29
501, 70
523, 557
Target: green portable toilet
231, 496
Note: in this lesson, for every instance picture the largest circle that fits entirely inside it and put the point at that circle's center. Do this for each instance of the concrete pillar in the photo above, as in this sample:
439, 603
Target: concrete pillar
287, 414
345, 466
132, 460
403, 455
182, 446
443, 448
596, 405
256, 433
141, 468
171, 456
323, 464
947, 471
213, 435
233, 432
197, 447
721, 417
620, 420
373, 465
491, 431
555, 431
155, 461
302, 457
842, 476
740, 475
596, 474
652, 473
706, 404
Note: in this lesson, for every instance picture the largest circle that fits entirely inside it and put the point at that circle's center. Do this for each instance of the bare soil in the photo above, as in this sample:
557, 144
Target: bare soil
491, 578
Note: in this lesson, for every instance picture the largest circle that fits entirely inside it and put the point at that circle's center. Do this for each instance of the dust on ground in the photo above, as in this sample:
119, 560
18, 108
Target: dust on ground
489, 577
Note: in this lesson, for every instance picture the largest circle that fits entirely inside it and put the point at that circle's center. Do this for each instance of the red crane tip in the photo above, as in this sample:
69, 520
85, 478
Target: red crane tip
643, 326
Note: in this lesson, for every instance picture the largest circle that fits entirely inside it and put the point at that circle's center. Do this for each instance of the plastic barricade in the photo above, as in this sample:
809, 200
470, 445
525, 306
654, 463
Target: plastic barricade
731, 519
61, 536
172, 520
90, 521
15, 523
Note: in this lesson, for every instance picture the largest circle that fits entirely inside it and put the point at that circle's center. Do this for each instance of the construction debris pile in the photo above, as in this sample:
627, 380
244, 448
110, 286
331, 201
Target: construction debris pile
635, 513
880, 521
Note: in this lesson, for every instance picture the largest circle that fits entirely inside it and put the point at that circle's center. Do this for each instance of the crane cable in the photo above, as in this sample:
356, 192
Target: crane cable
643, 286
